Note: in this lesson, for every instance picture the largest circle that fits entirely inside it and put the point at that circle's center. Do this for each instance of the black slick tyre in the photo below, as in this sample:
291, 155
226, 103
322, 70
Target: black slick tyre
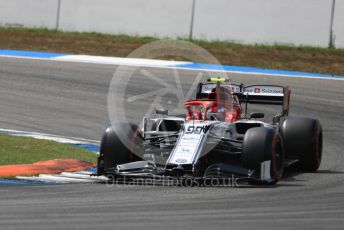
263, 144
303, 140
112, 149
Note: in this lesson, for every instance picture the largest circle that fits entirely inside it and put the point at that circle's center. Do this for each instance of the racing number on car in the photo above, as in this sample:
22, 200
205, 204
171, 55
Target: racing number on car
196, 129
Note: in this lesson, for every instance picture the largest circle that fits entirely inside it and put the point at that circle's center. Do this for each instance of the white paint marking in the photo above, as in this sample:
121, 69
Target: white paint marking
59, 178
119, 61
44, 136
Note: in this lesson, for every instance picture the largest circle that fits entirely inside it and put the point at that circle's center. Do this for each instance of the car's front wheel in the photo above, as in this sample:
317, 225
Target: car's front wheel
263, 144
112, 149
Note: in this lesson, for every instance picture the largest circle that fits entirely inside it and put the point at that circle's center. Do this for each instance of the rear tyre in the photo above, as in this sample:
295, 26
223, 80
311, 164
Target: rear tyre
303, 140
113, 151
263, 144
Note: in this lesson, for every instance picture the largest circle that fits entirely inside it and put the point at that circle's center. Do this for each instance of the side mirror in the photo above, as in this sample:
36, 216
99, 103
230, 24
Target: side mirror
161, 111
257, 115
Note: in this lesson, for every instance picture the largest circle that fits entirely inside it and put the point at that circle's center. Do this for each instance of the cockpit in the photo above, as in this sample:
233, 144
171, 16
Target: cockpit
213, 102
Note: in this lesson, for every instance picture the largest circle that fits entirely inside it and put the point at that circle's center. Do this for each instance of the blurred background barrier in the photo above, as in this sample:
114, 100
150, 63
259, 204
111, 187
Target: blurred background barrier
338, 24
297, 22
292, 22
29, 13
159, 18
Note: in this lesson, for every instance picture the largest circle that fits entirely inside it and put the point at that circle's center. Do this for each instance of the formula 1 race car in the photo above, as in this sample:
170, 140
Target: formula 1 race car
216, 139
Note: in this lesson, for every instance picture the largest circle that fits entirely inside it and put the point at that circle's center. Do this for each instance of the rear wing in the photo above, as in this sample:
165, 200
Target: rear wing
252, 94
264, 94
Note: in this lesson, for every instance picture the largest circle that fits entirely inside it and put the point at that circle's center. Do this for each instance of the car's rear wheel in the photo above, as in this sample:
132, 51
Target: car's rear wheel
113, 151
303, 140
263, 144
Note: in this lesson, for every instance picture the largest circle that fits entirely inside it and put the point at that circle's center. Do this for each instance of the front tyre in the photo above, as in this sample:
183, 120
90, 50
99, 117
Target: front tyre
113, 151
263, 144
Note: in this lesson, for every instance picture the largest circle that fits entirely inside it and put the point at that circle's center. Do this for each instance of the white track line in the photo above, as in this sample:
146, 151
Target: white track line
59, 178
118, 61
44, 136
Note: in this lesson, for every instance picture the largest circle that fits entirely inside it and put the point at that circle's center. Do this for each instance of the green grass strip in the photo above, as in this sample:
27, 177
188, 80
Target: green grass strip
22, 150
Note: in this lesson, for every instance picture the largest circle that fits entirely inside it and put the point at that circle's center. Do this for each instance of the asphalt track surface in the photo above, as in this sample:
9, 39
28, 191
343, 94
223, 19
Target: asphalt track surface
71, 99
